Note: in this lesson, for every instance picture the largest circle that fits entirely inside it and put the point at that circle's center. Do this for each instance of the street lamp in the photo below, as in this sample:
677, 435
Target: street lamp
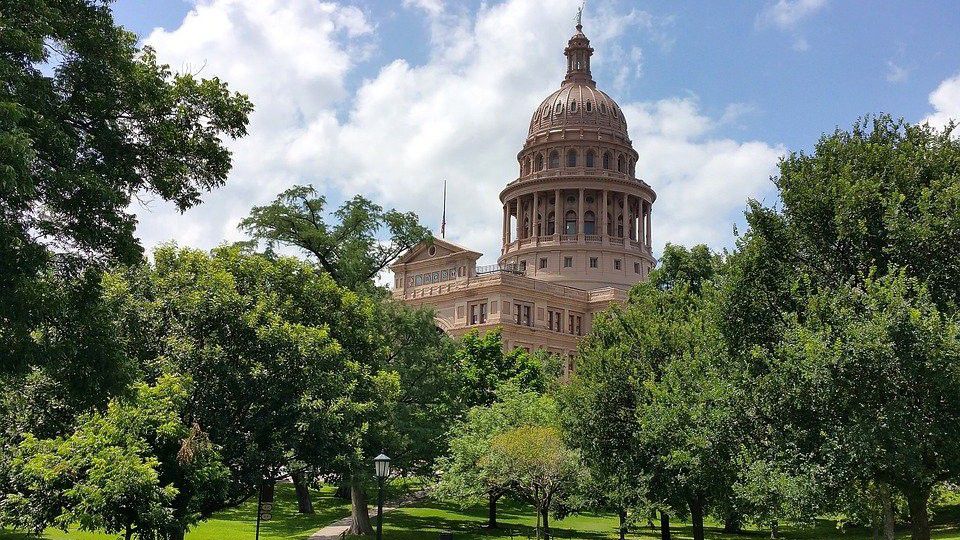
381, 465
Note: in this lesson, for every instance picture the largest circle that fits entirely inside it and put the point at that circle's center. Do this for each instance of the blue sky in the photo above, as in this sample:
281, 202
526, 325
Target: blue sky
386, 99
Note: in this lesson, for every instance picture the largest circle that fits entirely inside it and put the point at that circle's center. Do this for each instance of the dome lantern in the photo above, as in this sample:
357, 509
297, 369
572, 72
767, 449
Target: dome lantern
578, 54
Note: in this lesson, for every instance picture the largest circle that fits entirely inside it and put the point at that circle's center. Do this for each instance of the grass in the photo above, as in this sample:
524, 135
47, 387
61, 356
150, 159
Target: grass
239, 522
424, 521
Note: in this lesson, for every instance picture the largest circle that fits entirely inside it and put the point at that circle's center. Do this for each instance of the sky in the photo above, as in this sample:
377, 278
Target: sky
389, 99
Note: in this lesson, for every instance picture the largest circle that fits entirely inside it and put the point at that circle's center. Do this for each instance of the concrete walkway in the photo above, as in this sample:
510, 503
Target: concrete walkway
337, 529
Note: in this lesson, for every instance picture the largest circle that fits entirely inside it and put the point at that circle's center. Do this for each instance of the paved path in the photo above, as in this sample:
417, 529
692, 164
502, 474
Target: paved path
335, 530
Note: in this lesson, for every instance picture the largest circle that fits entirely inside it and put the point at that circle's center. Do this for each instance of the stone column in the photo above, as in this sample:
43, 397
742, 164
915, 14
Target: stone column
506, 225
557, 212
647, 226
519, 229
603, 219
536, 215
580, 213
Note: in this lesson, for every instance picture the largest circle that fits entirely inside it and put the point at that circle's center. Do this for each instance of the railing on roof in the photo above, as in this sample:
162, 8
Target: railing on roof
499, 268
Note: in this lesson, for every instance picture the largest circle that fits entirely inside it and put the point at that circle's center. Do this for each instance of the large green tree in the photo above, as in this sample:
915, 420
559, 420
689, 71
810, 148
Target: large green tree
867, 205
88, 120
650, 406
141, 467
360, 242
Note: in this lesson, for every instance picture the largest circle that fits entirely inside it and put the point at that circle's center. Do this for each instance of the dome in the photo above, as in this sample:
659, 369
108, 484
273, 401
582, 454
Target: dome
575, 104
578, 102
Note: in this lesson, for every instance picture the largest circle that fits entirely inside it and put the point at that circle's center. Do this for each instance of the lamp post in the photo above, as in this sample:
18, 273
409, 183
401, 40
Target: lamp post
382, 468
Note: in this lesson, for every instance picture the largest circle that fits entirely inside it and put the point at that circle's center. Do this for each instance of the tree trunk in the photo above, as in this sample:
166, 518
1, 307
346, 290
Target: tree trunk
774, 529
360, 523
919, 519
733, 523
664, 525
889, 525
177, 534
492, 510
343, 491
546, 522
304, 504
623, 524
128, 534
696, 515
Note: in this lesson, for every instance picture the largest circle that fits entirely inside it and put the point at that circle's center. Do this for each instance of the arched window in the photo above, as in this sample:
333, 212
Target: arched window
554, 160
589, 107
609, 224
526, 165
603, 108
589, 223
539, 162
526, 227
571, 158
606, 160
620, 166
590, 159
559, 107
570, 223
633, 168
620, 226
573, 106
539, 227
551, 223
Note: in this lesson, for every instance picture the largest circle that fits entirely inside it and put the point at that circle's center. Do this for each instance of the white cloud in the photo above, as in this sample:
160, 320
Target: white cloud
462, 116
896, 73
787, 15
946, 102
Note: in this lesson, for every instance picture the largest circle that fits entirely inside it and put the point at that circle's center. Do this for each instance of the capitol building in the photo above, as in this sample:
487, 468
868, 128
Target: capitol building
576, 229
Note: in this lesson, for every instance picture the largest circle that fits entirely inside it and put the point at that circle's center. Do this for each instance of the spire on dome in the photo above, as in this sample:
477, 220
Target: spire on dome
578, 54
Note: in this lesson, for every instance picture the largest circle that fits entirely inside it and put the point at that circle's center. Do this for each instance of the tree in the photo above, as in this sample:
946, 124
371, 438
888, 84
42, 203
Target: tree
865, 206
276, 343
88, 121
538, 466
138, 468
651, 407
883, 352
463, 474
486, 367
351, 250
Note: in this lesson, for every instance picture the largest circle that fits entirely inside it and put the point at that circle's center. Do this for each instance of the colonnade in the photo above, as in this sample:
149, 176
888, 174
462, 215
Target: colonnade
580, 214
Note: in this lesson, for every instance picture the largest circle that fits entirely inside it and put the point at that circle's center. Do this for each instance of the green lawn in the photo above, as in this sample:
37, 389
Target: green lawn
424, 521
240, 522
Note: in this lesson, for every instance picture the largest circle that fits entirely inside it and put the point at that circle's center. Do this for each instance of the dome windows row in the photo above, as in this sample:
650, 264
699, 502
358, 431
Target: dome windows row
558, 109
607, 161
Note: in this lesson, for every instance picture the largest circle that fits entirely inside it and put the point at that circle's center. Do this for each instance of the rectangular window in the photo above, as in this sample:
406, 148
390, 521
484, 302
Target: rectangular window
636, 268
523, 314
555, 320
617, 264
575, 324
478, 313
568, 262
523, 266
593, 262
543, 263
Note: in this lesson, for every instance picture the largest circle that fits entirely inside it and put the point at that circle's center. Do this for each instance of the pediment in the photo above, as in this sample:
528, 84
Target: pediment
435, 250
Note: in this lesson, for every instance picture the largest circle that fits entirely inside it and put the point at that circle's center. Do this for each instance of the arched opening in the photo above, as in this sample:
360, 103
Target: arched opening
539, 162
633, 168
559, 107
589, 223
570, 223
554, 160
526, 227
551, 223
571, 158
606, 160
539, 227
573, 106
609, 224
589, 107
620, 226
603, 108
620, 165
526, 166
590, 159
